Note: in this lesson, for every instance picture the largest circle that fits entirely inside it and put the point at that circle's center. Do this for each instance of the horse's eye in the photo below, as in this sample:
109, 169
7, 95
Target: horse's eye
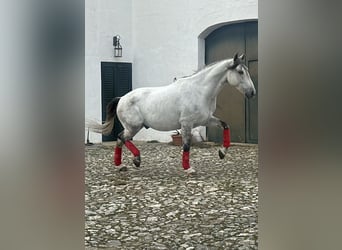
240, 72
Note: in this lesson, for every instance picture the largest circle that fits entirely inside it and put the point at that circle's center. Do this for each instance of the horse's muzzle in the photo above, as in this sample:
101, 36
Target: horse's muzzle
250, 94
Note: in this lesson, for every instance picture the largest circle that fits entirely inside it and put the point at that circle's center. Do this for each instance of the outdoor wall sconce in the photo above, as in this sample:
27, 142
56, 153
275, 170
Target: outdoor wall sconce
117, 46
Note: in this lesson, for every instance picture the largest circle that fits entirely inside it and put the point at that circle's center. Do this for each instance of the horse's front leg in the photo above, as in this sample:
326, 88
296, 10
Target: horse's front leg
186, 137
226, 135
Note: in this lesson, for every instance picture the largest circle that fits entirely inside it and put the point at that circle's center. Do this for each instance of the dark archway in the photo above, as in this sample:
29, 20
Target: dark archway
241, 114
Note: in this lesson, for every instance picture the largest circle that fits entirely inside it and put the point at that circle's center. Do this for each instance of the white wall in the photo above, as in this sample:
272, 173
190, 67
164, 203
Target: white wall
162, 38
103, 20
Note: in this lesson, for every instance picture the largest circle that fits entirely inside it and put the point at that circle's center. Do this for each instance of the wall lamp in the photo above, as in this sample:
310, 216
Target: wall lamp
117, 46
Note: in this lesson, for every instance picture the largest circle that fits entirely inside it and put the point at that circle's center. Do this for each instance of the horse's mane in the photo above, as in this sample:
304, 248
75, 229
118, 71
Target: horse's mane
201, 70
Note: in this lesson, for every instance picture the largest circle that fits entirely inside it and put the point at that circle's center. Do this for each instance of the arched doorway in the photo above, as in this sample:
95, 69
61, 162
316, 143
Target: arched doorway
241, 114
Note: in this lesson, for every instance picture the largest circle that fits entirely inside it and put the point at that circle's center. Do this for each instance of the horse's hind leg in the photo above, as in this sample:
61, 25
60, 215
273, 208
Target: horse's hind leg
118, 152
126, 136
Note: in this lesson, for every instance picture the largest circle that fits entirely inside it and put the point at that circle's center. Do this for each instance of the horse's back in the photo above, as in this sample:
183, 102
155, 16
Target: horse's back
155, 107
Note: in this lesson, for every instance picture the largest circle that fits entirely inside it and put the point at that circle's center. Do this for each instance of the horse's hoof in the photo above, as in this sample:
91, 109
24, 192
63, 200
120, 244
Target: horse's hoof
122, 169
190, 171
137, 161
221, 154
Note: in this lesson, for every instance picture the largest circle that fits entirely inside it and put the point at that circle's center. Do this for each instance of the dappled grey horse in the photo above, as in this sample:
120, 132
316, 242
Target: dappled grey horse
184, 104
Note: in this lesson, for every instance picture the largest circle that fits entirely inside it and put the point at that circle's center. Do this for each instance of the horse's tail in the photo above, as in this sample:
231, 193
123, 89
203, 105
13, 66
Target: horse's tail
107, 127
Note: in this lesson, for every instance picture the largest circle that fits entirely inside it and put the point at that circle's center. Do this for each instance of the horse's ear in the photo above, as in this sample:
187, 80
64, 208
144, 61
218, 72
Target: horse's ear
235, 57
236, 62
242, 57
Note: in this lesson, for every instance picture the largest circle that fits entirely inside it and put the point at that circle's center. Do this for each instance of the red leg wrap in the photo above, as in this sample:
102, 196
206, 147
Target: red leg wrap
226, 137
132, 148
117, 156
186, 159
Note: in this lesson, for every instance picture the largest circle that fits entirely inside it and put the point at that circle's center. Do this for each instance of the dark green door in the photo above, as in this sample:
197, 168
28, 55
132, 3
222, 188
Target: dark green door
116, 80
232, 107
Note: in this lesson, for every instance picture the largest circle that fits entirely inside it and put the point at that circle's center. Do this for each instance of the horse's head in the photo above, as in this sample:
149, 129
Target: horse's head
238, 76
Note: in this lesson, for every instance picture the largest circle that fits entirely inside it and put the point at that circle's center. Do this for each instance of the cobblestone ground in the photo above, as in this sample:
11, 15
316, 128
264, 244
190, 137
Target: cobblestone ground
157, 206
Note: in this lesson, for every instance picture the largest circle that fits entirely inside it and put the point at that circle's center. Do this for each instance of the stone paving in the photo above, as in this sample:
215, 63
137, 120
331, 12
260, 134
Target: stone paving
158, 206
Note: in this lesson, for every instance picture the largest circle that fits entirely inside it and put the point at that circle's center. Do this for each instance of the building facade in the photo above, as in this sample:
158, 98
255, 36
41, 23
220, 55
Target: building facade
161, 40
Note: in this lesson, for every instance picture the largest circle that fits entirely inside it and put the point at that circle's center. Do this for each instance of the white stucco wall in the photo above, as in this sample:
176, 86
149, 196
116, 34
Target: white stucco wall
103, 20
163, 39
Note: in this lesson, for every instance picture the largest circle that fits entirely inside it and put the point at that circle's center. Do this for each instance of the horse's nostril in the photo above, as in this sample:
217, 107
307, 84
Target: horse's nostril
250, 94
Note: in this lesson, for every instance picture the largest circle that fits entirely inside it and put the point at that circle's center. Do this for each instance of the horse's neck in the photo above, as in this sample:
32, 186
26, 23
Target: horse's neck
214, 78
